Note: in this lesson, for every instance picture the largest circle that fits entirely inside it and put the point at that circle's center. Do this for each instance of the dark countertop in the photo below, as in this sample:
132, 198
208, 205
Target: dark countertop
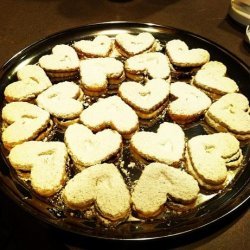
26, 21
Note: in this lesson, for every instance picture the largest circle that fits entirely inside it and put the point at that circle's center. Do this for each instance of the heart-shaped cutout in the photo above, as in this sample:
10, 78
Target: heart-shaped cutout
166, 145
87, 149
230, 114
62, 100
46, 162
101, 46
208, 157
153, 65
180, 55
32, 81
130, 45
111, 112
103, 186
24, 121
189, 104
212, 80
97, 73
157, 183
147, 100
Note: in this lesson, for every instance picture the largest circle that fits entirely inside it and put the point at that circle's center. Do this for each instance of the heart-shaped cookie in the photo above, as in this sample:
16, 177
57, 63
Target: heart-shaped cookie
63, 63
130, 45
159, 182
111, 112
97, 73
230, 114
24, 121
46, 162
101, 46
212, 80
147, 100
189, 104
208, 157
153, 65
86, 148
166, 145
103, 186
32, 81
61, 100
180, 55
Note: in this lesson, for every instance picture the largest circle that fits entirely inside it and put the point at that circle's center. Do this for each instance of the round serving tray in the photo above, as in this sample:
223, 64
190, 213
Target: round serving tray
224, 203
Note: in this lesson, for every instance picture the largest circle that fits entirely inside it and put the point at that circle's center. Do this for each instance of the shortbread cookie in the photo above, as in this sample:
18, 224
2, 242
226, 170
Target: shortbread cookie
166, 145
101, 46
159, 183
212, 80
189, 103
111, 112
62, 64
102, 186
63, 102
86, 148
24, 122
147, 100
208, 156
32, 80
230, 114
98, 73
46, 162
152, 65
180, 55
130, 45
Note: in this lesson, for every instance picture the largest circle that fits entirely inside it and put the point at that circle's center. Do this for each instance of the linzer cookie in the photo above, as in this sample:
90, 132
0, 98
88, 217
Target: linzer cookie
87, 148
147, 100
166, 145
230, 114
185, 61
189, 103
130, 45
148, 65
32, 80
209, 156
160, 183
100, 46
111, 112
62, 64
99, 74
211, 79
46, 163
24, 122
63, 102
102, 186
180, 55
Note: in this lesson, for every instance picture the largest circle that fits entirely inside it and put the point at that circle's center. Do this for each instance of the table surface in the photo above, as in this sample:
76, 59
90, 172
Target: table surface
26, 21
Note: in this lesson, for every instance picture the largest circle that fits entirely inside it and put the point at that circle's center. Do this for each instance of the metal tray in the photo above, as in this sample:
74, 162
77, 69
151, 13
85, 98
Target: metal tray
223, 204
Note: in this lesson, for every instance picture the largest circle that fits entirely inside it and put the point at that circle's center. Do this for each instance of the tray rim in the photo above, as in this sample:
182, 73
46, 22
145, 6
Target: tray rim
146, 24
